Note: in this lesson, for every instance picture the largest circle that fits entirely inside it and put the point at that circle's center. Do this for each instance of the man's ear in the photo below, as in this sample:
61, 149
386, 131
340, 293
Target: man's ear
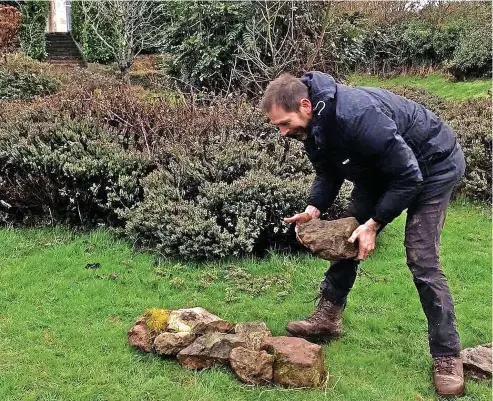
306, 106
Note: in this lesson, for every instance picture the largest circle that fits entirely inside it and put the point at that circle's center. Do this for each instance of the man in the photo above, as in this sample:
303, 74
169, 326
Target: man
400, 156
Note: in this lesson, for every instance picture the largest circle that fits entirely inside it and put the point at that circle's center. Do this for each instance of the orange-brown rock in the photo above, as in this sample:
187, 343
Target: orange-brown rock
297, 362
329, 239
172, 343
250, 366
139, 335
253, 333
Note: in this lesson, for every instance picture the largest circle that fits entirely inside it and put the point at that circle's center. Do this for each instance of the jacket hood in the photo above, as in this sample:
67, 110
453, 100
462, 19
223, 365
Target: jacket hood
322, 89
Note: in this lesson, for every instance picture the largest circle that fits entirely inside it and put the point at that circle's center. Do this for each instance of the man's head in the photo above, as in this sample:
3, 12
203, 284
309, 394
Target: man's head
288, 106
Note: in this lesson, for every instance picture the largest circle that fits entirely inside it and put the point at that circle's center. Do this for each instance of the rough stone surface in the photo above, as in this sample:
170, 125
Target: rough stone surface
220, 326
252, 367
198, 321
200, 340
328, 239
172, 343
297, 362
478, 360
253, 333
208, 350
139, 336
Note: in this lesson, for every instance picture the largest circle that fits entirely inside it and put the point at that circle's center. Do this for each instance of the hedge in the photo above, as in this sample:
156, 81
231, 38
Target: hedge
189, 178
34, 14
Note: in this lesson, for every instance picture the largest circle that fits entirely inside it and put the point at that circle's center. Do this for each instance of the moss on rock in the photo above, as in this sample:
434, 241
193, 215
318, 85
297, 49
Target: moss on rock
156, 320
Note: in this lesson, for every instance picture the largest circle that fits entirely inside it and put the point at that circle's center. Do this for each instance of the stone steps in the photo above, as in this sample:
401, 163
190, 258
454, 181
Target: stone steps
62, 49
66, 61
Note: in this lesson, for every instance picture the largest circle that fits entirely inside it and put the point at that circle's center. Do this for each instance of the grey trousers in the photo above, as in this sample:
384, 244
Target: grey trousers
422, 241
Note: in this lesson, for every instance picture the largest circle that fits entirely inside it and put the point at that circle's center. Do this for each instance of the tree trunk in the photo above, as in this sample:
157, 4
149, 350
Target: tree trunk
124, 70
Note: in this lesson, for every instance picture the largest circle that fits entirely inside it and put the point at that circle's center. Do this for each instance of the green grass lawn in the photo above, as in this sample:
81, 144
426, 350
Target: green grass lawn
436, 83
63, 327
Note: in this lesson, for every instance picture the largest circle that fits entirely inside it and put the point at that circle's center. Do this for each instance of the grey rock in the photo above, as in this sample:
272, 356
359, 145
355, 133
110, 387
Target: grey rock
209, 349
478, 361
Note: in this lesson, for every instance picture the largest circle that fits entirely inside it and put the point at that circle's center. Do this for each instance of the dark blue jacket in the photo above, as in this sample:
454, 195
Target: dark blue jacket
377, 140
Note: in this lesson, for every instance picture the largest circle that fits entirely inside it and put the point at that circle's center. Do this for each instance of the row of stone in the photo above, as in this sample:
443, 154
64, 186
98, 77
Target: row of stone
200, 340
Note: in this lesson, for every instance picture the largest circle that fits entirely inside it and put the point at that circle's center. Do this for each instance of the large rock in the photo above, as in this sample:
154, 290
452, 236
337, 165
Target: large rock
252, 367
172, 343
297, 362
329, 239
197, 321
208, 350
253, 333
139, 335
478, 360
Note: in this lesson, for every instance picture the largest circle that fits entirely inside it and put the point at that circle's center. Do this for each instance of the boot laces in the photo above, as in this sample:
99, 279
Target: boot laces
445, 365
322, 311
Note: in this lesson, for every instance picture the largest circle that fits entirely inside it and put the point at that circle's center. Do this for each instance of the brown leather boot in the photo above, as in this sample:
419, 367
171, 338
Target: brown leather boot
448, 376
324, 324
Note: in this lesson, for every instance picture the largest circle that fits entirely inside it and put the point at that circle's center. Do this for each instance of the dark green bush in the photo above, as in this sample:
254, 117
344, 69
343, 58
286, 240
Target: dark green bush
223, 220
445, 40
68, 171
194, 178
455, 37
34, 14
242, 45
203, 37
471, 122
417, 43
224, 194
92, 46
472, 56
25, 85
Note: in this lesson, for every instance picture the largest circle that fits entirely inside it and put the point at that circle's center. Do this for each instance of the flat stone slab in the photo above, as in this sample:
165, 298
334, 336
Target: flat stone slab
329, 239
210, 349
250, 366
172, 343
253, 333
139, 335
198, 321
478, 361
297, 362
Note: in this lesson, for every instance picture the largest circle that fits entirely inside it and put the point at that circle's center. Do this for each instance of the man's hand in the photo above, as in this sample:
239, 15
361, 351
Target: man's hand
366, 235
310, 213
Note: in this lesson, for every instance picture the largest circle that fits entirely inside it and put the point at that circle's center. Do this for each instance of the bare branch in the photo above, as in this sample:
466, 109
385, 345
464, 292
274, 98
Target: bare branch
137, 24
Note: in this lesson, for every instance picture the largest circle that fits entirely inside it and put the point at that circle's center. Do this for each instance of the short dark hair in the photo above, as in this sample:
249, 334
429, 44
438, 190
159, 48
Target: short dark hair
285, 91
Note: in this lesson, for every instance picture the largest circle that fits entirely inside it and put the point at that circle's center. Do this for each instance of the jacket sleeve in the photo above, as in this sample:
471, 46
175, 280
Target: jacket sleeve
374, 134
325, 187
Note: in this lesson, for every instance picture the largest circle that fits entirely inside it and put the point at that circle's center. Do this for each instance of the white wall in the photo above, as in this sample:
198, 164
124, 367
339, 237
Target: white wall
57, 21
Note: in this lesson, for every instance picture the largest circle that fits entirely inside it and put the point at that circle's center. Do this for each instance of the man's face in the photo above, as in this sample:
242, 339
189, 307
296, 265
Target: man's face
292, 124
